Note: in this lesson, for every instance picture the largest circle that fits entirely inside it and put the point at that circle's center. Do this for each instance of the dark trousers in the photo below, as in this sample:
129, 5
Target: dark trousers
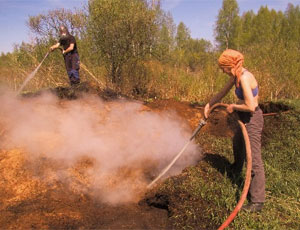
72, 65
254, 124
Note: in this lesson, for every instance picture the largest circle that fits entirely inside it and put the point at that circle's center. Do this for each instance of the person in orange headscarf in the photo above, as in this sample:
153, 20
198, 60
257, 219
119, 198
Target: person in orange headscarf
247, 107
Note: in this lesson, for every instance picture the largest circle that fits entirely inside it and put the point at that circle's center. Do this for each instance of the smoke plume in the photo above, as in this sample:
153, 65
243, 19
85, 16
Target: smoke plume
114, 149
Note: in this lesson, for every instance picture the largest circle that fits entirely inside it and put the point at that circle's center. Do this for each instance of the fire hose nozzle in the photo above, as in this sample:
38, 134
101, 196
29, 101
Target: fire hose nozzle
202, 122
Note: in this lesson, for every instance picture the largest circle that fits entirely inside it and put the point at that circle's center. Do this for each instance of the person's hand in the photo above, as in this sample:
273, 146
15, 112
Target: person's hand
230, 108
206, 110
63, 52
51, 49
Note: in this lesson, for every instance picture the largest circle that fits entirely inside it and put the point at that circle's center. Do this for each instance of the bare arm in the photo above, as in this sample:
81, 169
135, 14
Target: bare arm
223, 92
54, 46
219, 96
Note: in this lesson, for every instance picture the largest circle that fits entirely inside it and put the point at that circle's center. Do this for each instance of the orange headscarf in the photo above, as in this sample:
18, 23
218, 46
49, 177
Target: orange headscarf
234, 60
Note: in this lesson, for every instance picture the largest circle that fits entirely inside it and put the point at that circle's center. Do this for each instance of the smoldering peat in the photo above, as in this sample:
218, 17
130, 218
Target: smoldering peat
127, 143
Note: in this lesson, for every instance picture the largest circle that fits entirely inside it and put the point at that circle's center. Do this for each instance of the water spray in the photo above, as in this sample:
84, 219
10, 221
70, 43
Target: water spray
31, 75
92, 75
201, 124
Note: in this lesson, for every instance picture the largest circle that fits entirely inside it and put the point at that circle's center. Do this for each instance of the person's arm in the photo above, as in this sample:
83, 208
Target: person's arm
219, 96
249, 102
54, 46
69, 49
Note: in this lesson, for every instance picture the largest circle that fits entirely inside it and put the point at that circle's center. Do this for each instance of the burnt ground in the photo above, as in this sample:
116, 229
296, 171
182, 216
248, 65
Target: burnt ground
28, 202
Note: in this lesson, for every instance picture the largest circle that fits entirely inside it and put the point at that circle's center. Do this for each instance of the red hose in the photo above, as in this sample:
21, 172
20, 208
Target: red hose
248, 172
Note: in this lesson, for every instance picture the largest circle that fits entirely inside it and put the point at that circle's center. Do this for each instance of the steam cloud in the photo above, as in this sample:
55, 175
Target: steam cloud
127, 143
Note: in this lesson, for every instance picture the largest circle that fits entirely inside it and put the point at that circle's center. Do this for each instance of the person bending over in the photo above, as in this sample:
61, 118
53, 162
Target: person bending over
247, 108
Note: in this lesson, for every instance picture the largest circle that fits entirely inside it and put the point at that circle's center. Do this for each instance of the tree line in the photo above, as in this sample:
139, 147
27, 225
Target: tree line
135, 47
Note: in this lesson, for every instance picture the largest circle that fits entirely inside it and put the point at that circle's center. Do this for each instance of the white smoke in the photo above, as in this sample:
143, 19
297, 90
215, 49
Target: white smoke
128, 142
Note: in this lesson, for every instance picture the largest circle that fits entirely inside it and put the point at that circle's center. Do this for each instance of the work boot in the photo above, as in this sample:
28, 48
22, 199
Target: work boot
74, 81
253, 207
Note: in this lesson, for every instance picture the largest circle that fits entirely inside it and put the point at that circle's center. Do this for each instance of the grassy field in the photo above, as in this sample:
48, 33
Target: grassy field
203, 196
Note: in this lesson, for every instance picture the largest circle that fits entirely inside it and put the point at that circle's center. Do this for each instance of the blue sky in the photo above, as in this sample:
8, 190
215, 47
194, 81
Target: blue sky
198, 15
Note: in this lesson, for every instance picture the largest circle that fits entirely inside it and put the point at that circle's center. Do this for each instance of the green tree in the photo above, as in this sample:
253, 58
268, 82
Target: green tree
197, 53
228, 25
263, 31
291, 24
182, 36
247, 25
122, 31
181, 40
165, 41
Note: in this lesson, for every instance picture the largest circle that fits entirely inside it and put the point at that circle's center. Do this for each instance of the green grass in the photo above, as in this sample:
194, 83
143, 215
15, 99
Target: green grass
203, 195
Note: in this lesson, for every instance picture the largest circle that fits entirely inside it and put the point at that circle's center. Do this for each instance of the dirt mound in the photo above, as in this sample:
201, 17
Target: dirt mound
76, 91
272, 107
220, 123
